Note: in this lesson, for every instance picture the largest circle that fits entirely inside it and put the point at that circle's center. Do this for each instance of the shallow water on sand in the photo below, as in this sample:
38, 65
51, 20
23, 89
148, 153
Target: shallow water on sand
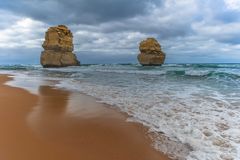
195, 105
56, 124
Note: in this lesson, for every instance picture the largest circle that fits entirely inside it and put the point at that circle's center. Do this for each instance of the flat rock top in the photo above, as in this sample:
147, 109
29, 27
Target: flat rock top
62, 30
150, 46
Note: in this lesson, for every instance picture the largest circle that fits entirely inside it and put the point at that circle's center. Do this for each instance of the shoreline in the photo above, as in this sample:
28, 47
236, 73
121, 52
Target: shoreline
59, 124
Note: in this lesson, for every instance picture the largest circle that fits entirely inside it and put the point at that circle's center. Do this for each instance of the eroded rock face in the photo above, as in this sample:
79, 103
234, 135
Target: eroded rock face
151, 53
58, 48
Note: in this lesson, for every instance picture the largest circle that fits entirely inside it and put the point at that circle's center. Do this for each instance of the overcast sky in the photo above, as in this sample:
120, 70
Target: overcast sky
109, 31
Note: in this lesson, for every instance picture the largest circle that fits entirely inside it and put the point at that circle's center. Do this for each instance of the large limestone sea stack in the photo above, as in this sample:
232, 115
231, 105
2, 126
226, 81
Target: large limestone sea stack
151, 53
58, 48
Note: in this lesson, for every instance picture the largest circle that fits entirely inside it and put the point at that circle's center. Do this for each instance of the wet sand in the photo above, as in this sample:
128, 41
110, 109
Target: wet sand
60, 125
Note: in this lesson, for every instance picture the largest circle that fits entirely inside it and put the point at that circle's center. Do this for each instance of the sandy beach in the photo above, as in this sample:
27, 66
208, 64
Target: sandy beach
43, 126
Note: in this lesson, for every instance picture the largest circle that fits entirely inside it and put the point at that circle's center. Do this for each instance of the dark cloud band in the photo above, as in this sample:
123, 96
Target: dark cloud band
79, 11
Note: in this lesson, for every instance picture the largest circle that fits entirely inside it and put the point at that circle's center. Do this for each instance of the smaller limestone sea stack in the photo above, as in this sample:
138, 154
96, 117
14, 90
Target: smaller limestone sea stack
58, 48
151, 53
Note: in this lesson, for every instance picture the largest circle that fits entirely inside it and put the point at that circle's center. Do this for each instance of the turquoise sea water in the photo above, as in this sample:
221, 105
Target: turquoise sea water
196, 107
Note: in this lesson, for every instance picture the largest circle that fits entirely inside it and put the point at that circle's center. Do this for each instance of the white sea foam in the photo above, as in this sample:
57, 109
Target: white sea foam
192, 114
203, 121
197, 73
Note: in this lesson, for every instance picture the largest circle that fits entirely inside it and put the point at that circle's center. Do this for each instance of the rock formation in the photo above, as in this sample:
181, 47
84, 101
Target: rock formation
58, 48
151, 53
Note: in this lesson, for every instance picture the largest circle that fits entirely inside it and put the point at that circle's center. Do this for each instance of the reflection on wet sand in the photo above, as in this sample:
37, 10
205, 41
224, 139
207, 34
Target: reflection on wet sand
66, 126
53, 101
94, 130
47, 117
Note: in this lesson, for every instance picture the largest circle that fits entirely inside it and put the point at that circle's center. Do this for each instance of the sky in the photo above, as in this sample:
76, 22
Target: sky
109, 31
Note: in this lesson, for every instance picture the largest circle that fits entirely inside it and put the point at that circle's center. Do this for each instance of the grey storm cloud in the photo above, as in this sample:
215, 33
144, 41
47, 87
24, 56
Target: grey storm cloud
111, 16
79, 11
110, 30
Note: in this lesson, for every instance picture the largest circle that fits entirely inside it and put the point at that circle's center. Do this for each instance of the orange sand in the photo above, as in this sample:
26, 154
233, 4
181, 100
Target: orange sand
44, 128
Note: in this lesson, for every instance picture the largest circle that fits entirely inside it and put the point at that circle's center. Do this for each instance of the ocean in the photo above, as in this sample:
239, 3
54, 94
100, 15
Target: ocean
192, 110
